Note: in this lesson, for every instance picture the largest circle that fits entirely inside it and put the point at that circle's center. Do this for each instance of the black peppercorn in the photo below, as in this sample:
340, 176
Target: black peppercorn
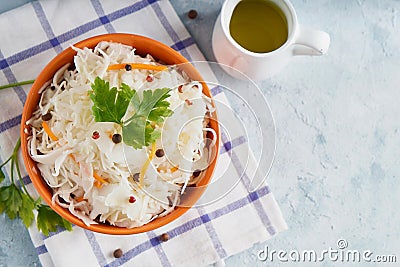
136, 177
47, 116
164, 237
118, 253
116, 138
196, 173
160, 152
192, 14
128, 67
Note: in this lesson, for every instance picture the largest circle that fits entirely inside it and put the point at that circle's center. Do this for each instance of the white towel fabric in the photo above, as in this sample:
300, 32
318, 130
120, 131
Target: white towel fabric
31, 36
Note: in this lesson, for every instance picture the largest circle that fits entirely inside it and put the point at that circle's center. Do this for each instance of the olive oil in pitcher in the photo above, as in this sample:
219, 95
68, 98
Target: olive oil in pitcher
259, 26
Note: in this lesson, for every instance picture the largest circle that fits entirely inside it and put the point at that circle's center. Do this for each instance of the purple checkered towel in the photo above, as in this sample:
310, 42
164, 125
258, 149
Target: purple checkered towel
35, 33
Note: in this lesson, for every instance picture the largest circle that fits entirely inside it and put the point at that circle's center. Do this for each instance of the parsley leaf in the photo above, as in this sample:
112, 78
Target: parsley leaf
26, 210
16, 202
48, 220
4, 195
2, 176
109, 104
11, 198
138, 130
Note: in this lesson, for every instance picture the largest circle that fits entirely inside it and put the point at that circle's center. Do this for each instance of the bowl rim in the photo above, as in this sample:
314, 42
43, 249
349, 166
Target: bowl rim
49, 70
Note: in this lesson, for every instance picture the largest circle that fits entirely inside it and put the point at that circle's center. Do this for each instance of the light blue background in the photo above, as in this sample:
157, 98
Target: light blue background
336, 170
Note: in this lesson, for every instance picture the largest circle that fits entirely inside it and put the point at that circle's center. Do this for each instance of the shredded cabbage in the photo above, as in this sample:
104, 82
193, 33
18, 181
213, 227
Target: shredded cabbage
68, 164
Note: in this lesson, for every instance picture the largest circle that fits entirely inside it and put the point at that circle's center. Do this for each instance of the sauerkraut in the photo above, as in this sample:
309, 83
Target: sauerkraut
96, 178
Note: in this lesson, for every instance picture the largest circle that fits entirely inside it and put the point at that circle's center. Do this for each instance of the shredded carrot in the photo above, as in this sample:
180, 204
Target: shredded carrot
173, 169
47, 129
137, 66
99, 180
98, 184
98, 177
146, 164
79, 199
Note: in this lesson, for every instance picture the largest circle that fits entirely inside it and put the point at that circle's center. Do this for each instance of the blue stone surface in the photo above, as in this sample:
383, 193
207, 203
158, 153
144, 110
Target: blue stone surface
336, 170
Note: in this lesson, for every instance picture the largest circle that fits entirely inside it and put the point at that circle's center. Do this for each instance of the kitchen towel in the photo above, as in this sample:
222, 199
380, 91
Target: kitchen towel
30, 37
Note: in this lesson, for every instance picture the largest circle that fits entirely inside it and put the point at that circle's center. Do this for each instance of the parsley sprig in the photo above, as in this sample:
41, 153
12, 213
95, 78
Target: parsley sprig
17, 202
110, 105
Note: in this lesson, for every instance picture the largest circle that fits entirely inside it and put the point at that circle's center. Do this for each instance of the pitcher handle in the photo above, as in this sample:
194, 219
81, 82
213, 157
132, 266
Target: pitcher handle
311, 42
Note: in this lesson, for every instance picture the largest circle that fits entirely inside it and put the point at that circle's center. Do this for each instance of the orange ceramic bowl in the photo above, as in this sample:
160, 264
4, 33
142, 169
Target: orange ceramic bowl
144, 46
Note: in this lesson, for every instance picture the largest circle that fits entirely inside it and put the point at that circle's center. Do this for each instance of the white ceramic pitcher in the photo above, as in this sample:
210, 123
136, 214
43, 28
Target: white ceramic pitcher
259, 66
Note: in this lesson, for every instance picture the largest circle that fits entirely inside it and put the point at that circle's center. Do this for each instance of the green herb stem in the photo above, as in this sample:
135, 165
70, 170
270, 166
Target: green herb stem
12, 171
21, 181
15, 162
5, 162
16, 84
16, 148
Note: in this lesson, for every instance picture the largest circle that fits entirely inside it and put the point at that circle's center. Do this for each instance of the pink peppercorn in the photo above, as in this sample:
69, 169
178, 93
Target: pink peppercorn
95, 135
149, 78
132, 199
